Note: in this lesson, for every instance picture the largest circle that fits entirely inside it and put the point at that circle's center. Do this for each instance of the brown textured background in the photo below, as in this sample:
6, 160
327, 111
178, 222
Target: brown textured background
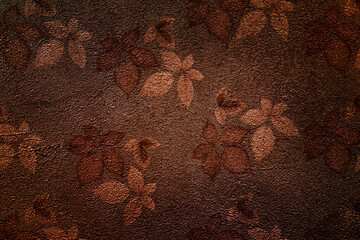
288, 190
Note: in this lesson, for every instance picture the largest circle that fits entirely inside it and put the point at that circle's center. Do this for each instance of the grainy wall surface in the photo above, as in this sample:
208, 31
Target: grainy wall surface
167, 119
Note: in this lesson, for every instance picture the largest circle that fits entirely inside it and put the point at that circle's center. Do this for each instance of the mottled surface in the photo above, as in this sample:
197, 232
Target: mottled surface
285, 189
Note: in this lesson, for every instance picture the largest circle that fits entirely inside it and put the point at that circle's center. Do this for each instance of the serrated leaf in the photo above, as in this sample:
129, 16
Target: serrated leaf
112, 192
209, 132
285, 125
89, 169
251, 24
49, 54
28, 157
185, 90
220, 115
157, 85
236, 160
127, 77
135, 179
6, 155
262, 142
57, 29
77, 52
280, 24
132, 210
171, 61
232, 136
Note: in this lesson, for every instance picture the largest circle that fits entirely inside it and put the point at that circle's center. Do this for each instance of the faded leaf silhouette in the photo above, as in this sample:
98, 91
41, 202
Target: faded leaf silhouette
77, 52
280, 24
285, 125
337, 157
338, 54
135, 179
209, 132
161, 33
6, 155
210, 160
49, 54
251, 24
89, 169
113, 161
57, 29
232, 136
243, 212
143, 57
185, 90
132, 210
220, 115
262, 142
140, 149
130, 38
40, 212
220, 25
28, 157
236, 160
197, 12
127, 77
112, 192
157, 84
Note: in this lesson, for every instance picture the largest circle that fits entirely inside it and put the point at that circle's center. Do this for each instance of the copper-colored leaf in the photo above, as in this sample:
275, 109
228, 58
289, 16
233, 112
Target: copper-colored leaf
149, 143
131, 145
112, 192
262, 142
351, 7
143, 57
57, 29
142, 157
220, 25
315, 147
108, 60
29, 32
185, 90
6, 155
157, 84
148, 188
211, 162
220, 115
163, 35
194, 74
132, 210
113, 161
80, 145
254, 117
236, 160
45, 8
49, 54
77, 52
127, 77
337, 157
112, 138
232, 136
280, 24
251, 24
196, 13
8, 133
279, 109
29, 8
28, 157
135, 179
11, 15
338, 54
16, 53
73, 25
209, 132
233, 106
285, 125
130, 38
148, 202
89, 169
171, 61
